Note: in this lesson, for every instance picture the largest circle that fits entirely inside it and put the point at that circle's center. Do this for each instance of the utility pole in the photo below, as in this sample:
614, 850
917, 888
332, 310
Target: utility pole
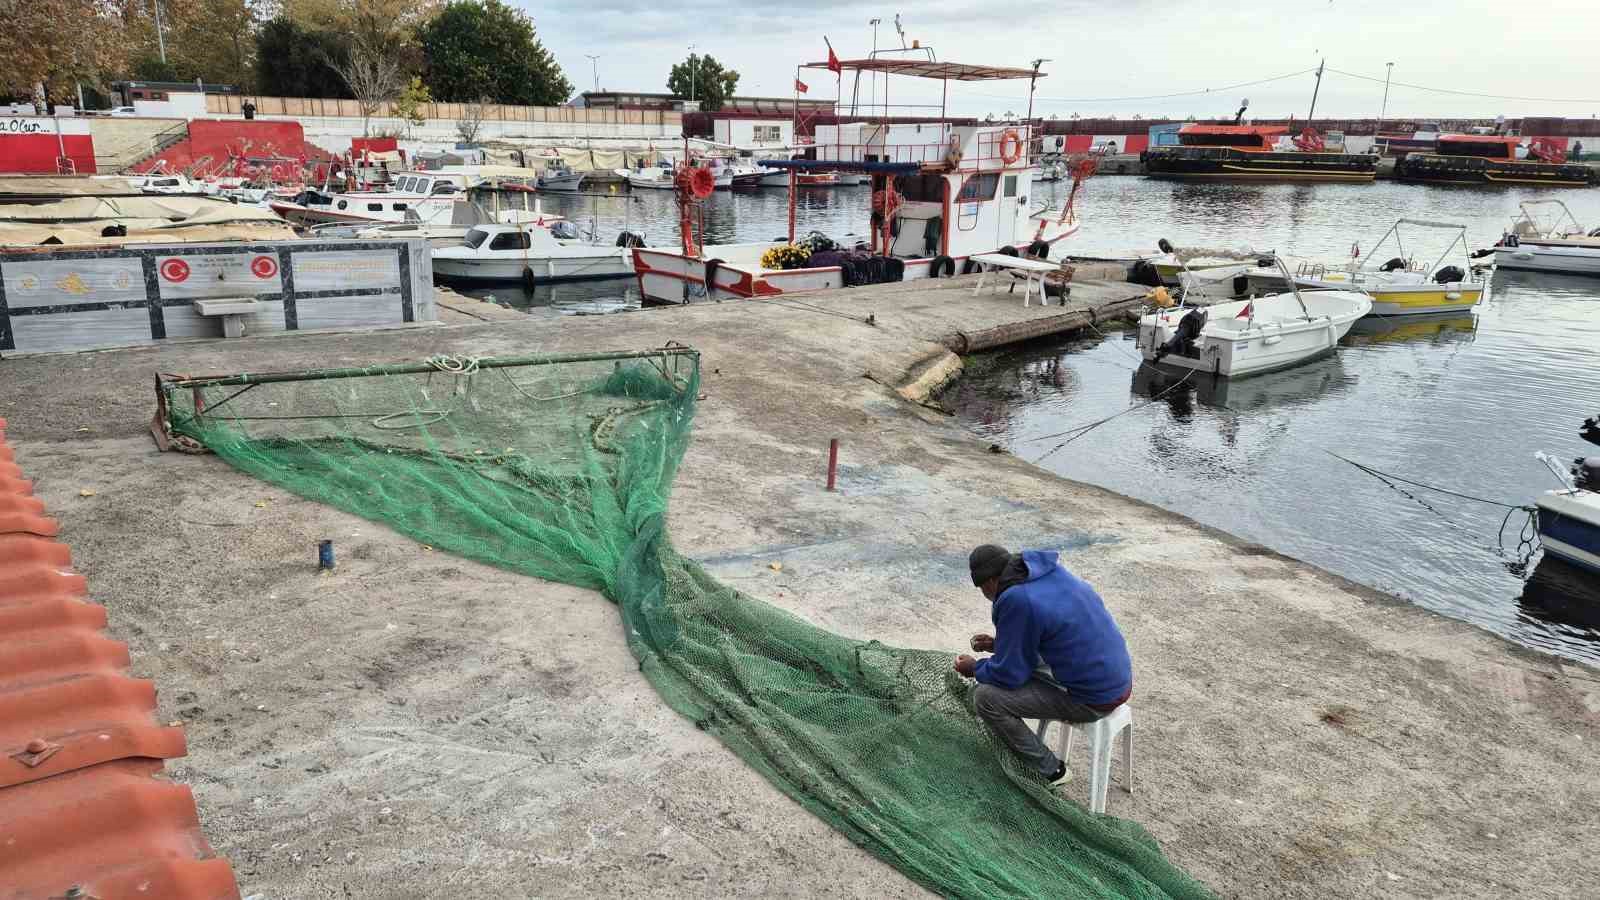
691, 72
594, 61
874, 23
1386, 76
1314, 92
161, 40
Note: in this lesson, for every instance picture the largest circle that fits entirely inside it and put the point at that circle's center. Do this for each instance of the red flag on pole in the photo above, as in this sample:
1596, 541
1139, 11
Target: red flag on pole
1248, 311
800, 86
833, 59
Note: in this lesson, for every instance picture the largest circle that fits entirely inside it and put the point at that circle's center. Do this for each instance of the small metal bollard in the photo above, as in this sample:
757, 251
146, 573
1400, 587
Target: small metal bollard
325, 555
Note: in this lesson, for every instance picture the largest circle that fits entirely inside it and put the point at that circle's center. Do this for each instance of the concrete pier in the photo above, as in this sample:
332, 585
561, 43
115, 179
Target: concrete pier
417, 725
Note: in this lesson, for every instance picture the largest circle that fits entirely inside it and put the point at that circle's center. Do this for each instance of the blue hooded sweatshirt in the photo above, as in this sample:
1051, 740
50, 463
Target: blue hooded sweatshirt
1057, 617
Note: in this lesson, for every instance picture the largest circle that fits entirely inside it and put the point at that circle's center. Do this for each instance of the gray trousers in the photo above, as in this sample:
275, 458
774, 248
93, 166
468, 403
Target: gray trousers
1040, 698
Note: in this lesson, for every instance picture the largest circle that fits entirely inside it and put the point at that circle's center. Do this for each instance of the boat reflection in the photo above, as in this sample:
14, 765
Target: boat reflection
1562, 594
1437, 328
1550, 284
1302, 384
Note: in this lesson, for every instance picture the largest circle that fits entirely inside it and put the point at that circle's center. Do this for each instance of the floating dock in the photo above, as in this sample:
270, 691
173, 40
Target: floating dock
417, 718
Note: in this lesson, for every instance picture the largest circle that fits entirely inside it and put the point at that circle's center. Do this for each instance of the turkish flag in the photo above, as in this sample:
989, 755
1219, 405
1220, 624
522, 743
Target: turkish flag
833, 60
800, 86
1248, 311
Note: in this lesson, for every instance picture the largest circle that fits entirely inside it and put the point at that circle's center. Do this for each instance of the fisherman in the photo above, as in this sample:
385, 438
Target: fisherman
1057, 653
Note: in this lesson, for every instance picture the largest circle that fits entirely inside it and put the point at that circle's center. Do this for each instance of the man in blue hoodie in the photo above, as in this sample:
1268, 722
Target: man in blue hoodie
1057, 654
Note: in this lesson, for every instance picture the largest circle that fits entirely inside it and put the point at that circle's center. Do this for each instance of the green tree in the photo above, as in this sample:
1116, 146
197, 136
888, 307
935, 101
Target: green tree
478, 49
412, 99
704, 79
292, 61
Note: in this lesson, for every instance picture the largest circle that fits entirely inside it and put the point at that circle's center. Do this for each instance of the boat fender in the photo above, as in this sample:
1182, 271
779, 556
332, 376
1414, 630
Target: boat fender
1165, 246
629, 239
1394, 265
711, 275
529, 280
1480, 254
941, 264
1009, 250
1595, 233
1039, 249
969, 267
1449, 274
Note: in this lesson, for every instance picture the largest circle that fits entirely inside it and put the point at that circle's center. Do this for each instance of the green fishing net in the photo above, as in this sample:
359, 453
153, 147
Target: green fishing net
559, 467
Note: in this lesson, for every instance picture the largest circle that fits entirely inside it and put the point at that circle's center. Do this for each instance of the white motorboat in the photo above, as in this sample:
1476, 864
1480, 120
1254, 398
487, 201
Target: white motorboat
427, 197
656, 178
1559, 246
1569, 518
559, 178
1401, 286
530, 251
1249, 337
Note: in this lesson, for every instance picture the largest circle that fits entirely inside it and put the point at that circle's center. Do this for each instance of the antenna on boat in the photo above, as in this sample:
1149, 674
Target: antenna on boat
901, 31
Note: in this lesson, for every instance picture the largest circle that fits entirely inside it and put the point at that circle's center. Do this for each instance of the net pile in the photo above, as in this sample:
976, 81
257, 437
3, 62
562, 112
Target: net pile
559, 467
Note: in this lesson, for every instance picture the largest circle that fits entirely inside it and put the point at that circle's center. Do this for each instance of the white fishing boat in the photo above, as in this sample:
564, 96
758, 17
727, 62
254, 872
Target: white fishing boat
1401, 285
1569, 518
558, 178
660, 178
1249, 337
532, 252
1556, 245
427, 197
941, 193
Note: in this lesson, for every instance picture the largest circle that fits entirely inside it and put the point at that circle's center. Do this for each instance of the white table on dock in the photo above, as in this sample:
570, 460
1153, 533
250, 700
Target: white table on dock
1032, 271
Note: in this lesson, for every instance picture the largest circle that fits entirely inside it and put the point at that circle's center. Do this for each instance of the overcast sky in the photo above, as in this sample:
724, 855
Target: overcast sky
1138, 48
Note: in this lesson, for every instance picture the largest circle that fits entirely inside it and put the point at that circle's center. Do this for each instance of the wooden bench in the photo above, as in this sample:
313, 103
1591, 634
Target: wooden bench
232, 310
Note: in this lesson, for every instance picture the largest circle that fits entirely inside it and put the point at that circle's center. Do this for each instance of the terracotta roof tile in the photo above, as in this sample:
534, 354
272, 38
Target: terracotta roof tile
82, 803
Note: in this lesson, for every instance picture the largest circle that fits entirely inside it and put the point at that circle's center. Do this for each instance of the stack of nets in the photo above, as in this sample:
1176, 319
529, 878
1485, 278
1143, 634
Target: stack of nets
559, 467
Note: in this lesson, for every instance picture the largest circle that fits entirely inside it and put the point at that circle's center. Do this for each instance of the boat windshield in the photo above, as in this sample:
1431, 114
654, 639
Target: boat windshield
476, 237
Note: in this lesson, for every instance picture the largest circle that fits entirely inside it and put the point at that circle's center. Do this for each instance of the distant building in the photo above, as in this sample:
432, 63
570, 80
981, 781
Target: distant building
171, 99
747, 106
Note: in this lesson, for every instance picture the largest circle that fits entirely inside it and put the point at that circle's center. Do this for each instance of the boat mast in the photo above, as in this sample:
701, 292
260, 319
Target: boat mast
1314, 92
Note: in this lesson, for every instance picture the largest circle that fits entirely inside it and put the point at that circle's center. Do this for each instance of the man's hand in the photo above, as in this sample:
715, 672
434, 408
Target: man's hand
983, 643
966, 665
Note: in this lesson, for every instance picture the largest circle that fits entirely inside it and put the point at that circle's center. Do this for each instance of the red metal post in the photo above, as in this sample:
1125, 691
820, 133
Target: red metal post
833, 463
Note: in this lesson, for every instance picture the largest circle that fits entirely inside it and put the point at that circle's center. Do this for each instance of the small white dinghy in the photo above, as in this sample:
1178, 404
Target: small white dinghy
1249, 337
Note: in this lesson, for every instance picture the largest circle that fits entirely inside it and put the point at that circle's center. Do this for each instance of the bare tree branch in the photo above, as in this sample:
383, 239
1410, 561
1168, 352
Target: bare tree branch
471, 121
374, 78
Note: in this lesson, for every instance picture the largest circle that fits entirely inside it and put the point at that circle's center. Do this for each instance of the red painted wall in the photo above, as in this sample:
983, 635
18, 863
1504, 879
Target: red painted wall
35, 154
228, 147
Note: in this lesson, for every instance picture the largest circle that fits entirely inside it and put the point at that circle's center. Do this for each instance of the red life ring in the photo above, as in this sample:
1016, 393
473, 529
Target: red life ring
1010, 146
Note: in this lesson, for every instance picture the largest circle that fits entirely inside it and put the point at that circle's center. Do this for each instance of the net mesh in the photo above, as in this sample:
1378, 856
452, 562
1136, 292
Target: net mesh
559, 468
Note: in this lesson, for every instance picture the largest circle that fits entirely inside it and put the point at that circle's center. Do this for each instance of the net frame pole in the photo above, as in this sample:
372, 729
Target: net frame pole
488, 362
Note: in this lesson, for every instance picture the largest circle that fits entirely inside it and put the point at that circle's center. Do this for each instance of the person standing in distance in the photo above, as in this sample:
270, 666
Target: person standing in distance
1057, 653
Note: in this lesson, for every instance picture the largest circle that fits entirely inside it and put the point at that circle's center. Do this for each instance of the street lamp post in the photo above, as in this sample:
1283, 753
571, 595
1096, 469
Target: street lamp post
691, 72
594, 62
1385, 110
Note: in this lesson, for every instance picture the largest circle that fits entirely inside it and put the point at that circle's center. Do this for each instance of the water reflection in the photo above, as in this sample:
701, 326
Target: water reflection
1438, 328
1563, 595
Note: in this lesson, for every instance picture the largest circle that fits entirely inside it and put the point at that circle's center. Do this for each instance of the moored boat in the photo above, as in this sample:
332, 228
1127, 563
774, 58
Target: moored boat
531, 252
1399, 286
1561, 246
1491, 159
1569, 518
1254, 153
1249, 337
560, 179
940, 193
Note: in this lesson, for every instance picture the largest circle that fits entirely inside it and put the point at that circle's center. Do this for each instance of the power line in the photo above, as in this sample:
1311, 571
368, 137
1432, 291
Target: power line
1423, 87
1210, 90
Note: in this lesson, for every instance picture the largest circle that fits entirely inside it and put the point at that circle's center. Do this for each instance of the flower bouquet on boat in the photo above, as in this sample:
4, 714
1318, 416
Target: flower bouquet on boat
1249, 337
1403, 285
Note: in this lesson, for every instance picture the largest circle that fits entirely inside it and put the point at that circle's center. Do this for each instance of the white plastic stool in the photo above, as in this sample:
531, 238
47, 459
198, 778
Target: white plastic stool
1101, 733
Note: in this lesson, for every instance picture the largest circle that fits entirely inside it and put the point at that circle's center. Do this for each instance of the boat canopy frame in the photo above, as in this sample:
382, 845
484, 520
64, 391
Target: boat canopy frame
1566, 216
1460, 238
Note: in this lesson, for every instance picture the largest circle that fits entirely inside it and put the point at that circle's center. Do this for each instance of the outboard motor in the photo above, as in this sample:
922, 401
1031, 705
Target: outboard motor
1586, 473
1145, 272
1182, 342
1591, 430
1449, 274
1393, 265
